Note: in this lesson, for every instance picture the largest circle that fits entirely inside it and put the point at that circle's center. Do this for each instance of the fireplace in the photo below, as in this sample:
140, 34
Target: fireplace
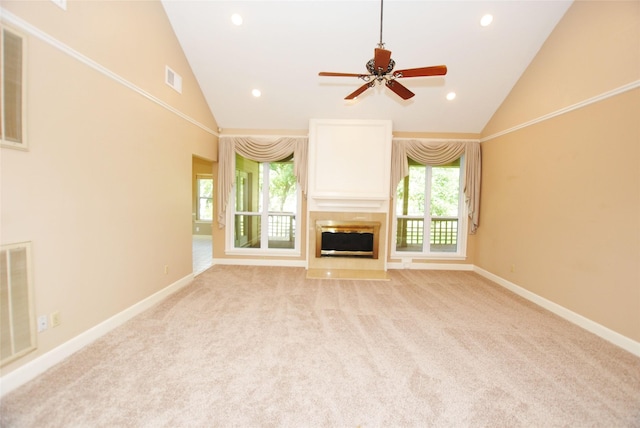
354, 242
348, 198
347, 239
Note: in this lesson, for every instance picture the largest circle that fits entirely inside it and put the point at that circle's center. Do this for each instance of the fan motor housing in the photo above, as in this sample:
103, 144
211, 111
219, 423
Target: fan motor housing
371, 67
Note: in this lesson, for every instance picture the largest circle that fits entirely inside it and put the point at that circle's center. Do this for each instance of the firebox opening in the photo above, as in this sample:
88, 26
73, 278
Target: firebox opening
347, 239
356, 244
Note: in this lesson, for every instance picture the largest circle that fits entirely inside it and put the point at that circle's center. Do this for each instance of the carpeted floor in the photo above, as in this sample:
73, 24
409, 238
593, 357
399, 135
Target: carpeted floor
266, 347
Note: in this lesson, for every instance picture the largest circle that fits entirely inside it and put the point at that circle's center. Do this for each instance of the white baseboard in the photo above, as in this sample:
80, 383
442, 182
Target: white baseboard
577, 319
261, 262
30, 370
430, 266
302, 263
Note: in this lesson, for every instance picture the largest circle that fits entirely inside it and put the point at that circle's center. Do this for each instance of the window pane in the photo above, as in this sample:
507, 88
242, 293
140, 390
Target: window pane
248, 183
282, 205
413, 187
282, 187
282, 230
12, 87
247, 231
205, 187
205, 209
260, 178
409, 234
445, 200
410, 210
205, 199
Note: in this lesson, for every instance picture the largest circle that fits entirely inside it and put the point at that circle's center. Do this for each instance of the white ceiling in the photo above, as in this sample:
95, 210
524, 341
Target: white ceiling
282, 45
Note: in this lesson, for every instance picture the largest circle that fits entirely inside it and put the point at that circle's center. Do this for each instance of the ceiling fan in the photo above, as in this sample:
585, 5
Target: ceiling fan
380, 69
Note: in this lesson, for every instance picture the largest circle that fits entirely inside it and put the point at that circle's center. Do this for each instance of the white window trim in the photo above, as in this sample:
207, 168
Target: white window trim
198, 177
12, 144
264, 251
463, 217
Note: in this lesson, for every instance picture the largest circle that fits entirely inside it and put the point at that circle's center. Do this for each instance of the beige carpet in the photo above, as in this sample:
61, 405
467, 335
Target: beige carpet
266, 347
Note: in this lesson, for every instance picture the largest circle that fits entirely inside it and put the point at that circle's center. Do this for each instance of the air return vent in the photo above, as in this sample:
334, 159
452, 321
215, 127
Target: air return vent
17, 320
173, 79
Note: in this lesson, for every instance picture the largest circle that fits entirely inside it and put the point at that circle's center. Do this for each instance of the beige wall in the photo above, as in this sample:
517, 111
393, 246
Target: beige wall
104, 193
560, 209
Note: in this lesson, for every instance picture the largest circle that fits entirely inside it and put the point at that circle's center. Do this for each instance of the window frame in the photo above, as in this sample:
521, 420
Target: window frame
5, 143
426, 253
198, 197
264, 249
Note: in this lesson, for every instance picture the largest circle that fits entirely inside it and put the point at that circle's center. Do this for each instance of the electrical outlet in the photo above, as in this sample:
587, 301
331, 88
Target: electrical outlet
43, 323
513, 268
166, 269
55, 319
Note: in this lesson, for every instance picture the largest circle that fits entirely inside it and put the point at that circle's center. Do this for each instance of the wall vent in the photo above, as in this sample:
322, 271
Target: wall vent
17, 319
173, 79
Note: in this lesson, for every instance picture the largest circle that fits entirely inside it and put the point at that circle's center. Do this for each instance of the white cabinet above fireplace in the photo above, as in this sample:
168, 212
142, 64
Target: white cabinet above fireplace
349, 165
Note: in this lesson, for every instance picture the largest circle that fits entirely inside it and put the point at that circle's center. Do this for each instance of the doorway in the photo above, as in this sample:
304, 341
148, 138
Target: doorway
202, 214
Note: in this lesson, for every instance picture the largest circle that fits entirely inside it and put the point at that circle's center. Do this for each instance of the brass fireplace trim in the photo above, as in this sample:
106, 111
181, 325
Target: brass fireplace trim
334, 226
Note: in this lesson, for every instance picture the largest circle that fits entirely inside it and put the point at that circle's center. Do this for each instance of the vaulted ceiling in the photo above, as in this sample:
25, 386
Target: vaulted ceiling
282, 45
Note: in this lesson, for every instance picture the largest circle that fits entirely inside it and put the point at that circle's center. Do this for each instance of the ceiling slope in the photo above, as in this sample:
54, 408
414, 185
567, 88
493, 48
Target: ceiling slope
282, 46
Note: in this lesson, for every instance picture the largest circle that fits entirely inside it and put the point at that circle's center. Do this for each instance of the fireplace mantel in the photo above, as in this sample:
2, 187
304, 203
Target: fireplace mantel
349, 202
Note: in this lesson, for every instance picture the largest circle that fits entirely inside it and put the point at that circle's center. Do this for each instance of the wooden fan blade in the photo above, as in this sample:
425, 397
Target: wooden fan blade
357, 92
399, 89
381, 59
330, 74
436, 70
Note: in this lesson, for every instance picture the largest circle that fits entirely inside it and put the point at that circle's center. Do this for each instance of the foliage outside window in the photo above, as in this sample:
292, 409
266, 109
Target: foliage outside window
12, 127
428, 210
205, 198
265, 205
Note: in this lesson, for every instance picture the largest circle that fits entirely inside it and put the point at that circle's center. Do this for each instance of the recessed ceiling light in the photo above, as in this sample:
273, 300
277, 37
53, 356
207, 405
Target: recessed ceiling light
451, 96
256, 93
486, 20
236, 19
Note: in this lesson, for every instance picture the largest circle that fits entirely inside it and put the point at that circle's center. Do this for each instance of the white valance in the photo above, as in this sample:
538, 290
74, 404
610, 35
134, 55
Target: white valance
259, 150
433, 152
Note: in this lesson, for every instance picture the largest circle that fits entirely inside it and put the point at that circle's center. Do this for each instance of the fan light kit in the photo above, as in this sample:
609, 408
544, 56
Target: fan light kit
380, 70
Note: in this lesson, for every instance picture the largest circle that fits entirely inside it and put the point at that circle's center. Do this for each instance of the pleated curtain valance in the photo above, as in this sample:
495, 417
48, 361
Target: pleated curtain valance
440, 153
259, 150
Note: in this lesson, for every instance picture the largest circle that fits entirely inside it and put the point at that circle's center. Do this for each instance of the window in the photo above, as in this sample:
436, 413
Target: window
205, 197
428, 211
265, 207
12, 90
